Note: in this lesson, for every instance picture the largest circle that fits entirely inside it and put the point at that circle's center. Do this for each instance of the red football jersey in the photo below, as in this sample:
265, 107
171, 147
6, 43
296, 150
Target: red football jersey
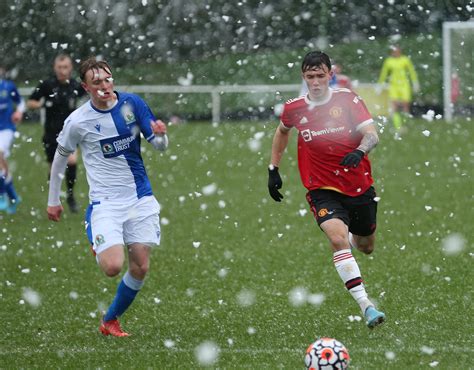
327, 131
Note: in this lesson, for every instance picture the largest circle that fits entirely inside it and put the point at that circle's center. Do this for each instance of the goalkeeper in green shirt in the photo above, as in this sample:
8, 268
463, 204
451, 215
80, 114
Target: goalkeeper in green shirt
402, 81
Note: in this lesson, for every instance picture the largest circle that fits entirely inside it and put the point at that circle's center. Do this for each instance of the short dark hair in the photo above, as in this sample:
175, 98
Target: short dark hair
62, 56
315, 59
92, 63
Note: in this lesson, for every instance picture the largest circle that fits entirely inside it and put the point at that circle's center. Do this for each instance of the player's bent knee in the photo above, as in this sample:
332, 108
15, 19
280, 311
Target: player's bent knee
366, 246
112, 270
139, 270
111, 260
339, 242
368, 249
143, 268
111, 267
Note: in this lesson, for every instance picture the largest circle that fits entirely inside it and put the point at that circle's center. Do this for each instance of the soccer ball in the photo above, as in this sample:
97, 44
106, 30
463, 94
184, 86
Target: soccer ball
327, 354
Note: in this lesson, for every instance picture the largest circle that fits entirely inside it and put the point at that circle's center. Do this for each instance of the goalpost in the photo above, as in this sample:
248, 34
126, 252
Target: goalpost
458, 69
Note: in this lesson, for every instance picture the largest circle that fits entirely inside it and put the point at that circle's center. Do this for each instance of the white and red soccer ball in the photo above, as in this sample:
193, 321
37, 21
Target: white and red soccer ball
327, 354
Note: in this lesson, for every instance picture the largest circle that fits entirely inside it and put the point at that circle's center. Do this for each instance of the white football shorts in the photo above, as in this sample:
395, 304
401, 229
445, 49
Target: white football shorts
109, 224
6, 140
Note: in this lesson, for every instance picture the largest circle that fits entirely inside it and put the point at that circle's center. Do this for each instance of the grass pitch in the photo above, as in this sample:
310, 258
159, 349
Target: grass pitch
230, 256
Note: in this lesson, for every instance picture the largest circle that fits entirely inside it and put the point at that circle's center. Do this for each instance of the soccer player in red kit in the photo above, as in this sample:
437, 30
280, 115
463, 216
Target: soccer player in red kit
335, 134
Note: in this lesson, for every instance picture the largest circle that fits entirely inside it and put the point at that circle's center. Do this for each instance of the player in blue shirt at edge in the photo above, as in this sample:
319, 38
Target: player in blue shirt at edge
12, 107
122, 210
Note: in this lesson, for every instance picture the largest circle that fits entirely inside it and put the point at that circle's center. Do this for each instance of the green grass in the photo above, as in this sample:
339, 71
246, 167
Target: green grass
265, 247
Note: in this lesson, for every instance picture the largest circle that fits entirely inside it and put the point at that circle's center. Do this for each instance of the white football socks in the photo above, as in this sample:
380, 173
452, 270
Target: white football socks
349, 272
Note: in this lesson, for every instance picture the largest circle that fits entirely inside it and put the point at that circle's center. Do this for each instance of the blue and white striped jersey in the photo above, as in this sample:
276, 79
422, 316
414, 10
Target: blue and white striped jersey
110, 146
8, 97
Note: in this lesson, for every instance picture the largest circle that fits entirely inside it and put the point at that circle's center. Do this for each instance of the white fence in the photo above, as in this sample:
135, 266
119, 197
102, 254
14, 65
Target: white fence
215, 91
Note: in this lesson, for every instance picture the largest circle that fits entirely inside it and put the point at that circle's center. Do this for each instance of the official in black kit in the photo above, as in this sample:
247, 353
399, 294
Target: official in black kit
59, 95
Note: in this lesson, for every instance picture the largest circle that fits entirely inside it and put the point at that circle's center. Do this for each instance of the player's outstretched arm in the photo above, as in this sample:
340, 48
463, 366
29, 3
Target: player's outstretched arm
383, 73
160, 141
380, 85
34, 104
17, 116
54, 212
58, 167
280, 142
413, 76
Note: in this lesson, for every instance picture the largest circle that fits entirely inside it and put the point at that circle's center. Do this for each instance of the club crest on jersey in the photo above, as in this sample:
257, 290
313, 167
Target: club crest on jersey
335, 112
129, 118
306, 135
3, 93
107, 148
323, 212
99, 239
127, 114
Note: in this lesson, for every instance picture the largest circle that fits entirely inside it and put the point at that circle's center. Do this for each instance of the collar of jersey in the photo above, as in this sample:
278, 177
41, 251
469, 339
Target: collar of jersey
316, 103
107, 110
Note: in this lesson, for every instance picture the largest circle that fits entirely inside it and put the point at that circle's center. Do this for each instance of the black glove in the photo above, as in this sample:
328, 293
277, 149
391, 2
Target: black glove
274, 183
352, 159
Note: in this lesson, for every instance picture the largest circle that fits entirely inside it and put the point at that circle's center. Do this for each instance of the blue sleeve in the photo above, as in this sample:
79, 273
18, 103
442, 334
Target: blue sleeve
16, 97
145, 116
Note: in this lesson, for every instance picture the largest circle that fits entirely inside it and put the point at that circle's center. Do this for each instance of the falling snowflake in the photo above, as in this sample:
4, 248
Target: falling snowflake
246, 298
302, 212
209, 189
298, 296
169, 343
427, 350
453, 244
316, 299
31, 297
207, 353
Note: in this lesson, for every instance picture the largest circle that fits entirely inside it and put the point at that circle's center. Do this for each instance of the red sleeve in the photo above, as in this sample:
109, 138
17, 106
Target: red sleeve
359, 112
286, 116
